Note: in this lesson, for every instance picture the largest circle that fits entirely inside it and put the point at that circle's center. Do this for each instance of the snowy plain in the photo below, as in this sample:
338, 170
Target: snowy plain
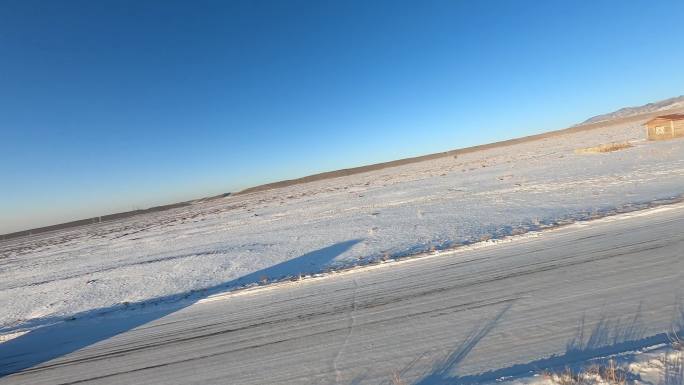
243, 239
478, 314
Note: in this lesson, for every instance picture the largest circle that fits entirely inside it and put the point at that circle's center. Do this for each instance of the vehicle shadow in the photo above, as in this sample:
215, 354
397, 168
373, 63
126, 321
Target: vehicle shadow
63, 337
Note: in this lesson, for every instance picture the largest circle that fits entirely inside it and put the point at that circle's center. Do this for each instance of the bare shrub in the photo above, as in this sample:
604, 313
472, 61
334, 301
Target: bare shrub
518, 231
613, 374
677, 341
395, 379
610, 374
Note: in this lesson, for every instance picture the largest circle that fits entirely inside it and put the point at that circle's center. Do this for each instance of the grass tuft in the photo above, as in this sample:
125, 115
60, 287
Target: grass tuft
395, 379
609, 374
610, 147
673, 368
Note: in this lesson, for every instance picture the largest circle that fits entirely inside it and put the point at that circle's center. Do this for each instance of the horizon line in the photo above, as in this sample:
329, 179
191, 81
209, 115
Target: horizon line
584, 126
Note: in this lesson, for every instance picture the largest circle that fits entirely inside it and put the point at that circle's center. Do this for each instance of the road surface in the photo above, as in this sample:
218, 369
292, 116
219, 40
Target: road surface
464, 316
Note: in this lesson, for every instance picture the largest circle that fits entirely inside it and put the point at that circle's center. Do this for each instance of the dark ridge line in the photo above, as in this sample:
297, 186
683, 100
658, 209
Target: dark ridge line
91, 221
105, 218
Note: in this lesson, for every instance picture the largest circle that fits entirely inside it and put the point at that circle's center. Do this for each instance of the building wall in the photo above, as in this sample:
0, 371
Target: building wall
664, 129
679, 128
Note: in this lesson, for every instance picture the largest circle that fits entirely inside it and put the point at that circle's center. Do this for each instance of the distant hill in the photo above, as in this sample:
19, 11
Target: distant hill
663, 105
624, 115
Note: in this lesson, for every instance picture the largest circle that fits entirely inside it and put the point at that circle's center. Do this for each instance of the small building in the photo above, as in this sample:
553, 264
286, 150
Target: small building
665, 127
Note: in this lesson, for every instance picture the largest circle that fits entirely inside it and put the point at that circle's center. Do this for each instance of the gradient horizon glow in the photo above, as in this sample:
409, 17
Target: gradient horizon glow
108, 106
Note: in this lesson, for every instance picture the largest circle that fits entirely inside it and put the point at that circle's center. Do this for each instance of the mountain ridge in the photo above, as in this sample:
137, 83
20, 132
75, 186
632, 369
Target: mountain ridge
662, 105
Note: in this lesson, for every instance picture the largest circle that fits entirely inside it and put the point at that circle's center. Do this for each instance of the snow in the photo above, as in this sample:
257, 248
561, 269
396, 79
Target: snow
497, 309
398, 211
661, 364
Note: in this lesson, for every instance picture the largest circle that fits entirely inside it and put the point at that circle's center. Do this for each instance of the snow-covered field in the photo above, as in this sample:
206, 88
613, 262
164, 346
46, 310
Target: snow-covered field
349, 220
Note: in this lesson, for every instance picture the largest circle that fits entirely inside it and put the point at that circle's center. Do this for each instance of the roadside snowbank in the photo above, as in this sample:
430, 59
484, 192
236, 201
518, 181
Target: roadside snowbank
658, 365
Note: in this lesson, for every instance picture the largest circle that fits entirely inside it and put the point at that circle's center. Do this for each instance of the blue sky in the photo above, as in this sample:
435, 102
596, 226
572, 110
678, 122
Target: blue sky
112, 105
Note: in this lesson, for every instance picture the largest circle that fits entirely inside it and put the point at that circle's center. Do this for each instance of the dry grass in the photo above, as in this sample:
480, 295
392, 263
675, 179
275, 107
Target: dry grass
609, 374
673, 368
676, 341
670, 364
673, 363
485, 238
610, 147
395, 379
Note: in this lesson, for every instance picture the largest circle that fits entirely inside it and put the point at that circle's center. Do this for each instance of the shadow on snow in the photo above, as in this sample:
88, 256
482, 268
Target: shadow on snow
606, 338
60, 338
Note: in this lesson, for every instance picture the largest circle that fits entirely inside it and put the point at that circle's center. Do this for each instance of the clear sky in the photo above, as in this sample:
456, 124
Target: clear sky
107, 106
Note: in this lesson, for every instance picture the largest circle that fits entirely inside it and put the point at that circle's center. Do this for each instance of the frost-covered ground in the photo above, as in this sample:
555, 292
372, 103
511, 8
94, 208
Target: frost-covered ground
395, 211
